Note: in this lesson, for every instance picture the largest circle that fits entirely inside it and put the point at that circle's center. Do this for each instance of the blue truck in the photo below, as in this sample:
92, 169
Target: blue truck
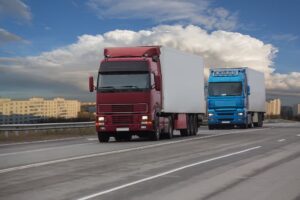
236, 98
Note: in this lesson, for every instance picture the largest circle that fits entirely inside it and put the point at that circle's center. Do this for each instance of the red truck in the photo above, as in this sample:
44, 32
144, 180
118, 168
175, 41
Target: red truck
148, 91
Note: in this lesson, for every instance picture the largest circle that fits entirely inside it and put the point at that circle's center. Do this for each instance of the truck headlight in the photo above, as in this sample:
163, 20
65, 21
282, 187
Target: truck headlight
210, 114
240, 114
101, 119
145, 117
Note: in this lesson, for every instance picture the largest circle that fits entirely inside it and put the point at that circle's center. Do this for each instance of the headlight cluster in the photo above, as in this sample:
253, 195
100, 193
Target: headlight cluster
240, 114
144, 120
101, 121
210, 114
145, 117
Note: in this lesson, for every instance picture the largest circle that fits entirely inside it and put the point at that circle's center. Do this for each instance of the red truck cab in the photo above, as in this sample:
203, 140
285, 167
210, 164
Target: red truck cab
128, 92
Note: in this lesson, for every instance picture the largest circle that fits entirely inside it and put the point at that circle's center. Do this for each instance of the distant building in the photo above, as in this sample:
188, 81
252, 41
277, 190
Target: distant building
273, 107
88, 107
35, 109
296, 110
286, 112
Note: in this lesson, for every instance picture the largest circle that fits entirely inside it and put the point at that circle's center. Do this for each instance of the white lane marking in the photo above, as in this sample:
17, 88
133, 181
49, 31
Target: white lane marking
42, 141
281, 140
92, 139
43, 149
117, 151
298, 135
165, 173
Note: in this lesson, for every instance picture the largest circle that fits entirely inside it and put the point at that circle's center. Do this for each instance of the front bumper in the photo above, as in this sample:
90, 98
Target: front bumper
124, 128
227, 117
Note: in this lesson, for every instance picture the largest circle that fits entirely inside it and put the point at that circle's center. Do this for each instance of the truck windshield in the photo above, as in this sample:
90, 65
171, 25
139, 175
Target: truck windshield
113, 82
225, 89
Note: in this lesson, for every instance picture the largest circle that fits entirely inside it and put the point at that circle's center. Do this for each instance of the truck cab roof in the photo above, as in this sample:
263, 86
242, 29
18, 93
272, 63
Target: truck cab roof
139, 51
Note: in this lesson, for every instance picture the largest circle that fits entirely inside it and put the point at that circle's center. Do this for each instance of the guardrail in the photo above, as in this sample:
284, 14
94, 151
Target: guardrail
45, 126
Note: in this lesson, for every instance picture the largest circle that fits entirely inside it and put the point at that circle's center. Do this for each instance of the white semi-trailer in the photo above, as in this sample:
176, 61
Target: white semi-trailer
148, 91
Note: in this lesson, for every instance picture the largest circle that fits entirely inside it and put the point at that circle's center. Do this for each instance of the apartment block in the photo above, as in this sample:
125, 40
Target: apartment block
296, 110
34, 109
273, 107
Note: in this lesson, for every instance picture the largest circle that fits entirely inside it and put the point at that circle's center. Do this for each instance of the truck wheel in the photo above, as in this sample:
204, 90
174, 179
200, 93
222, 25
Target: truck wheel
211, 127
183, 132
127, 137
190, 126
156, 133
103, 137
195, 130
260, 120
170, 128
251, 125
118, 138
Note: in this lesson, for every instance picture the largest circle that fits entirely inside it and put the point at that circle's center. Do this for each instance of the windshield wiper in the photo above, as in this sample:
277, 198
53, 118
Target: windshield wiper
107, 87
130, 86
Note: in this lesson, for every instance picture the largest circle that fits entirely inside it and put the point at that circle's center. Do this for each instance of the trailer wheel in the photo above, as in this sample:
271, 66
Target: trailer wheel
183, 133
103, 137
195, 121
169, 134
260, 120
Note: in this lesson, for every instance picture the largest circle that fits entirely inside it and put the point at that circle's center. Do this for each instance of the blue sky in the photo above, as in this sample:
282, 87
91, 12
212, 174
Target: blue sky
29, 28
57, 23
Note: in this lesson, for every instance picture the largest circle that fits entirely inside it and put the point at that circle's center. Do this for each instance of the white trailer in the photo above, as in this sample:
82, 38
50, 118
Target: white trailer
257, 97
182, 82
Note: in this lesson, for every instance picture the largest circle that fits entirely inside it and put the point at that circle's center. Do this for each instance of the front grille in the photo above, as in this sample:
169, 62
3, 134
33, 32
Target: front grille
227, 113
225, 119
122, 119
123, 108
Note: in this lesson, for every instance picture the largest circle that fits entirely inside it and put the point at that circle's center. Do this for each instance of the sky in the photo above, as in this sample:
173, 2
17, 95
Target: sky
49, 48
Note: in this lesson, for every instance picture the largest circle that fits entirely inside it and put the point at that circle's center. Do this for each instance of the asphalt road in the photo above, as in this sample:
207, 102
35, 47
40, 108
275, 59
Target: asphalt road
261, 163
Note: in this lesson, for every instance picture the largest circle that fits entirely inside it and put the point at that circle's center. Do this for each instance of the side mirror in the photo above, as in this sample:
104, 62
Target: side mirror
157, 83
248, 90
91, 84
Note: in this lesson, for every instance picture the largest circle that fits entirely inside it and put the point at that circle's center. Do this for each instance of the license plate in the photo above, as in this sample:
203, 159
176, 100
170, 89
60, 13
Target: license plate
122, 129
225, 122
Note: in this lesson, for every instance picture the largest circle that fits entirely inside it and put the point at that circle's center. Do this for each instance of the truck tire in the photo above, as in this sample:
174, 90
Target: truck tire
127, 137
156, 132
124, 137
169, 134
190, 126
103, 137
251, 125
195, 130
118, 138
243, 126
260, 120
183, 132
211, 127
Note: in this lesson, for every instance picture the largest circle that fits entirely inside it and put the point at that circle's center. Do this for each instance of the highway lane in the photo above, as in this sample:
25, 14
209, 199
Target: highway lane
212, 165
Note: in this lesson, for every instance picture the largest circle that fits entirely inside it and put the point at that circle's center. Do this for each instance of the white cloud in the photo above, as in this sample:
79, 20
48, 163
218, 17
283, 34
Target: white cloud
16, 9
6, 36
71, 65
199, 12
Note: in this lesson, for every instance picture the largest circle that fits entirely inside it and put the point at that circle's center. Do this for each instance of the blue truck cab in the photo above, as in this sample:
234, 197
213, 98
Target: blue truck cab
228, 99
